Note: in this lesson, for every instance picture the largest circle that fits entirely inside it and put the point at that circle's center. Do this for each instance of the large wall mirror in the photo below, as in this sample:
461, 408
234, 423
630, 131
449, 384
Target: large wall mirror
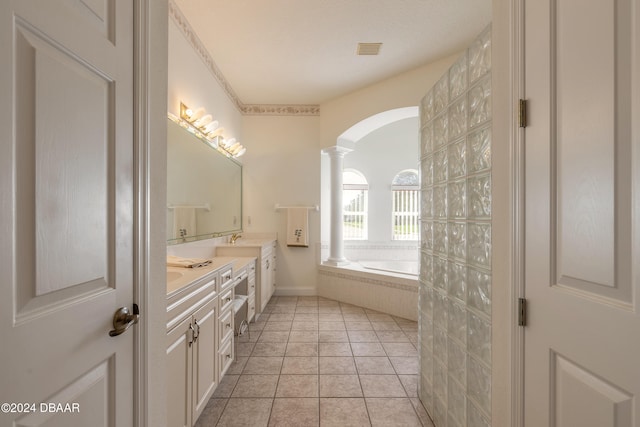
204, 189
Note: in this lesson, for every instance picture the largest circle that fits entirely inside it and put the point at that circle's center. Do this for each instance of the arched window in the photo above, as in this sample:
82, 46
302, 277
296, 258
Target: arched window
405, 189
354, 205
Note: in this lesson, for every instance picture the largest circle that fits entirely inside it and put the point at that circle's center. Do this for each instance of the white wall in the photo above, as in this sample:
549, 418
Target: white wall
191, 82
282, 166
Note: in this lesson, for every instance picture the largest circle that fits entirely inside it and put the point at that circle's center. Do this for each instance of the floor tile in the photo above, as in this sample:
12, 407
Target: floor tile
294, 412
358, 325
244, 348
330, 317
333, 336
355, 317
374, 365
392, 336
269, 349
305, 317
246, 412
211, 413
362, 336
367, 349
410, 384
263, 365
331, 326
238, 365
304, 325
256, 386
329, 309
340, 386
303, 336
277, 326
334, 349
402, 349
226, 386
297, 386
337, 365
392, 412
274, 336
300, 365
380, 317
382, 386
385, 326
405, 365
340, 412
280, 309
307, 309
302, 349
422, 413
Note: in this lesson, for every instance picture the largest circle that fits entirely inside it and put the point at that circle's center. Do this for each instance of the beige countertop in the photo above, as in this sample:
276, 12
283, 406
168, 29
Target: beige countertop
179, 277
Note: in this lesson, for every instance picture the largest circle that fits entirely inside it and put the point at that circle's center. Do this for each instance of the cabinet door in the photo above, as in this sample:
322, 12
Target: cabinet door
265, 281
179, 371
204, 356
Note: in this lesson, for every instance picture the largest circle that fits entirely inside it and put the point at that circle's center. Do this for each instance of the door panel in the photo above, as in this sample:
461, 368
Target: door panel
66, 167
581, 165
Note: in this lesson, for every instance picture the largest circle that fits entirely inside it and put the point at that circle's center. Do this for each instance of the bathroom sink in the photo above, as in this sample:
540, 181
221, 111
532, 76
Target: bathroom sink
173, 275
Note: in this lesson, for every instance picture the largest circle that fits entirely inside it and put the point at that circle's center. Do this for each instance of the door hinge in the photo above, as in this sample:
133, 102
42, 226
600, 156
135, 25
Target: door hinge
522, 113
522, 312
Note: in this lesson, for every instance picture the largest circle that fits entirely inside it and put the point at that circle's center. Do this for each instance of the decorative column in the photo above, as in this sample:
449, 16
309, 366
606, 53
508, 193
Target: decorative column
336, 245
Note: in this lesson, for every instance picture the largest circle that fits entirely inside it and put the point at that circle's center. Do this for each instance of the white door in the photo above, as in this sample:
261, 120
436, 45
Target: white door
66, 212
582, 266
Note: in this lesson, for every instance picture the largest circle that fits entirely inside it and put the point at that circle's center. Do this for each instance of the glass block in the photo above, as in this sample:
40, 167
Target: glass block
440, 201
474, 417
440, 273
478, 337
456, 199
426, 327
426, 235
426, 268
479, 290
426, 393
479, 195
440, 130
457, 362
426, 108
441, 94
480, 56
440, 316
456, 153
426, 300
440, 355
440, 239
457, 280
426, 203
457, 240
439, 412
456, 404
457, 326
479, 384
458, 77
479, 150
458, 118
480, 103
426, 140
479, 244
440, 166
426, 171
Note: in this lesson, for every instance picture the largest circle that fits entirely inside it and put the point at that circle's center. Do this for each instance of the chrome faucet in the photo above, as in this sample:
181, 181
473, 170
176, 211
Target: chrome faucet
234, 237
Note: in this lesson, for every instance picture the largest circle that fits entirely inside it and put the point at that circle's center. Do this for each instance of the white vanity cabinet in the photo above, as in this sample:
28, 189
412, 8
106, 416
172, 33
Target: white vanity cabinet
193, 324
264, 250
225, 321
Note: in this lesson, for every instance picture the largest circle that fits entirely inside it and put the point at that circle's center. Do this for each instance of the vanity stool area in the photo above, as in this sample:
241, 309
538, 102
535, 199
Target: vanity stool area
205, 306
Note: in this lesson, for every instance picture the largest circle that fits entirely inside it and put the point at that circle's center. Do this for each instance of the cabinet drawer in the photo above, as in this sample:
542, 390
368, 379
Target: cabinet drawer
225, 356
226, 279
226, 300
251, 310
226, 325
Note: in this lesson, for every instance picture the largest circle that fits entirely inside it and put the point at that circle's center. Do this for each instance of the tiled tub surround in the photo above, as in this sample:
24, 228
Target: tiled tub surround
392, 293
311, 361
455, 277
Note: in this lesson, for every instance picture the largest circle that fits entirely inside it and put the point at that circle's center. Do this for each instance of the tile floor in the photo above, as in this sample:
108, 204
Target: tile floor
311, 361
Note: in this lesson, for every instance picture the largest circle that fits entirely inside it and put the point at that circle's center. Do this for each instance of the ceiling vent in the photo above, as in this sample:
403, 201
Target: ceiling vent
369, 48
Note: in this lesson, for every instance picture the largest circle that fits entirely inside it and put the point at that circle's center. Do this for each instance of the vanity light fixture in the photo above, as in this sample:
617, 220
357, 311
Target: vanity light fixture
203, 126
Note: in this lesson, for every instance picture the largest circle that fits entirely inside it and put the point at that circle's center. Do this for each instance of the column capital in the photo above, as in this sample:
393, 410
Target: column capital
336, 151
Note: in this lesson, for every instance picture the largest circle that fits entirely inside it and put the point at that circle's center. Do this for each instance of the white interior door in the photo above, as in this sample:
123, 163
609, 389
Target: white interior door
66, 197
582, 148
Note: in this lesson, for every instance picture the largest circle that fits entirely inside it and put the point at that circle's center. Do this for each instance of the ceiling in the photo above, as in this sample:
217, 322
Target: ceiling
304, 51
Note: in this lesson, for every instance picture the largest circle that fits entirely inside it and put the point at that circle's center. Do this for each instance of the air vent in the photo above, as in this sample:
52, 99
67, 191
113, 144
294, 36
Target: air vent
369, 48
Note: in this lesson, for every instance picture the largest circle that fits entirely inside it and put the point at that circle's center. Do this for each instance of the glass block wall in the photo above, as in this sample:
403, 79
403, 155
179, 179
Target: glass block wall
455, 274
